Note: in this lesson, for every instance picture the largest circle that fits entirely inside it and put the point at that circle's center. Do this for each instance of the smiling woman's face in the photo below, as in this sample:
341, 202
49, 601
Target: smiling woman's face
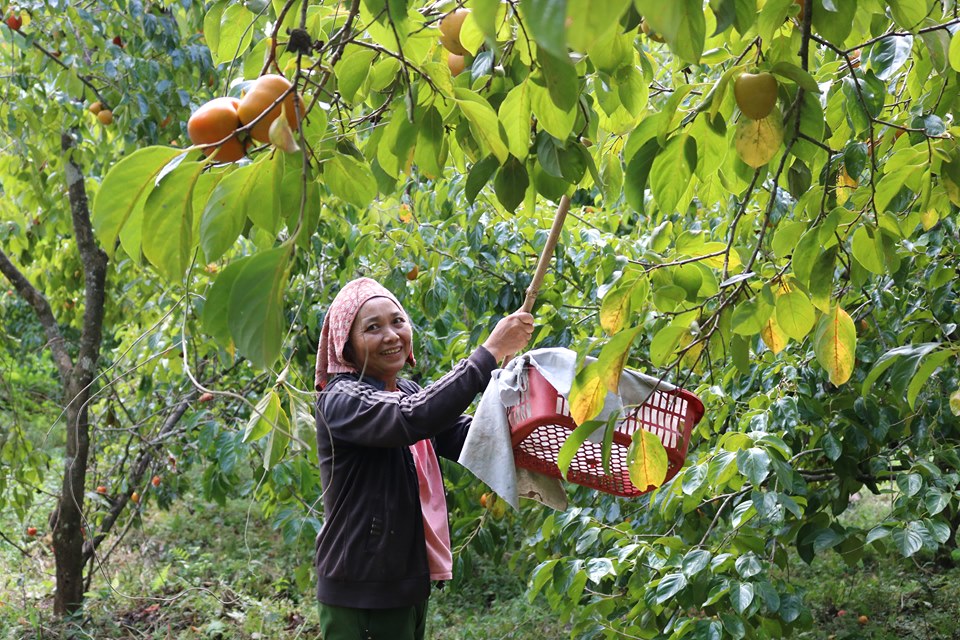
380, 340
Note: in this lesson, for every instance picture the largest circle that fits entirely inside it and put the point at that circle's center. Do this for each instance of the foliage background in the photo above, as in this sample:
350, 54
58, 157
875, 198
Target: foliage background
798, 273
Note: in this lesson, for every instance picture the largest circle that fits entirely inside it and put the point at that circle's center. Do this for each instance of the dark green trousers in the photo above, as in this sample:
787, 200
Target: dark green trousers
346, 623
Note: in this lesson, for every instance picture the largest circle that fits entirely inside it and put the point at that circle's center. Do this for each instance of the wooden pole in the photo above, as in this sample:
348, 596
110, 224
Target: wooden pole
546, 255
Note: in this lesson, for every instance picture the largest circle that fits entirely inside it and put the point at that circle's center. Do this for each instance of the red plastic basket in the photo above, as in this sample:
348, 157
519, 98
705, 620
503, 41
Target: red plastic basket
541, 422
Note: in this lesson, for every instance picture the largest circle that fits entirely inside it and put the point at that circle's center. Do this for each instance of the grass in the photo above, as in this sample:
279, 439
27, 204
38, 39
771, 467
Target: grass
205, 571
884, 596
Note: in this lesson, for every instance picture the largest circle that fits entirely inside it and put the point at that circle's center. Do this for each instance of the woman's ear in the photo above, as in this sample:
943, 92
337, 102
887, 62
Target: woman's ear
349, 355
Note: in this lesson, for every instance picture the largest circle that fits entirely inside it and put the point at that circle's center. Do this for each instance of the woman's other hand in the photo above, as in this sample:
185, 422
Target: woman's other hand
510, 335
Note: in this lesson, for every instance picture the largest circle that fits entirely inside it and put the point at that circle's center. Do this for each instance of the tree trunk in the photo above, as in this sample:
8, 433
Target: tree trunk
68, 525
68, 518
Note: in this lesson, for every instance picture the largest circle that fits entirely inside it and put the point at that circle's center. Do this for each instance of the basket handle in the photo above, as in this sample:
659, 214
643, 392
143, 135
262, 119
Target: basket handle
546, 255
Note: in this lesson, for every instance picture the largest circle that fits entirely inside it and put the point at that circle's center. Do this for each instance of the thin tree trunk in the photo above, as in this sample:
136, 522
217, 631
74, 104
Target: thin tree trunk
68, 518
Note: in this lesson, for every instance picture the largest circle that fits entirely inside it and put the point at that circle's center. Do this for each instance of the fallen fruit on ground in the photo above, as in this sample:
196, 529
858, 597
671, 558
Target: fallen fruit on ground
105, 117
863, 619
214, 121
456, 63
264, 92
756, 94
450, 27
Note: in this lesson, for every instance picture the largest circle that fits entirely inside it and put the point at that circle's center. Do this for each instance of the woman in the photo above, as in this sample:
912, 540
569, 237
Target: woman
385, 533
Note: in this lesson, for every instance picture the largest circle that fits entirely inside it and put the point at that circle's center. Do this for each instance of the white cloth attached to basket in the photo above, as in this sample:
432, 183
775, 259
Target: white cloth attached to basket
488, 451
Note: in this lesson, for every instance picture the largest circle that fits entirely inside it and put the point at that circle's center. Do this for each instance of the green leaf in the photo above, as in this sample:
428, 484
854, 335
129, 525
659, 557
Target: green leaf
908, 540
236, 33
480, 174
680, 22
954, 51
795, 314
914, 353
431, 150
540, 576
910, 483
546, 21
225, 215
923, 373
754, 463
821, 280
552, 119
750, 317
350, 180
124, 191
693, 478
671, 172
510, 184
887, 56
167, 236
256, 317
695, 561
741, 596
834, 25
935, 501
599, 568
211, 25
594, 19
278, 442
805, 255
514, 115
215, 308
485, 126
263, 418
637, 172
670, 585
568, 450
352, 69
909, 14
792, 72
835, 345
561, 80
665, 343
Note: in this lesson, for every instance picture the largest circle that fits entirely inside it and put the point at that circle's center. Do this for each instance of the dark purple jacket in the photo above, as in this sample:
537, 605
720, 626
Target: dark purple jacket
371, 552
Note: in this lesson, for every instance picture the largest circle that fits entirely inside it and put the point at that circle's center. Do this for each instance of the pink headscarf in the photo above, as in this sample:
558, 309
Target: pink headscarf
337, 323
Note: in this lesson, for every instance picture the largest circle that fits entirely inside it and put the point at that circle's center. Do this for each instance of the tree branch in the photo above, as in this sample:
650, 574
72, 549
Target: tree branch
33, 297
94, 262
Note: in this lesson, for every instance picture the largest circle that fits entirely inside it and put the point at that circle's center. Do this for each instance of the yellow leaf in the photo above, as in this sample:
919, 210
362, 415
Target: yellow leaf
587, 394
757, 141
845, 186
929, 218
835, 344
773, 335
619, 302
646, 460
613, 358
